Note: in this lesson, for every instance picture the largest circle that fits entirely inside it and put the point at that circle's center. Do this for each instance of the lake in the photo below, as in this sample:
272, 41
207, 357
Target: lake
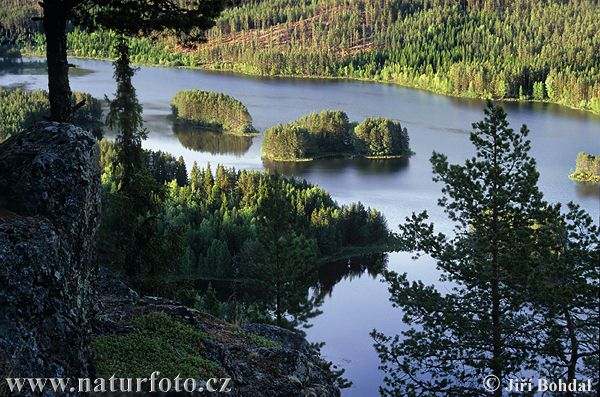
358, 302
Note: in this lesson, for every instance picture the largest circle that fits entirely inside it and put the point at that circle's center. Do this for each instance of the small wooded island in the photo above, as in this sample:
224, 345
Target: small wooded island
212, 110
587, 168
331, 134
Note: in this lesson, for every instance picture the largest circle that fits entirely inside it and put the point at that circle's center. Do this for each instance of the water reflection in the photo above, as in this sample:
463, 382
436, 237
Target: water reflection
314, 289
587, 189
23, 67
35, 67
363, 166
349, 268
203, 140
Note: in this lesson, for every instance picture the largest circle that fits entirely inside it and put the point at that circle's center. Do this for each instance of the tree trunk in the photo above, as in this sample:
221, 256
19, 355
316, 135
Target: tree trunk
496, 332
574, 346
55, 27
497, 364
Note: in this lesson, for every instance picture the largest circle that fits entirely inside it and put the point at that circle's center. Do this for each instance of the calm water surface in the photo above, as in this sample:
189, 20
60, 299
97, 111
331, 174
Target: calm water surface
359, 302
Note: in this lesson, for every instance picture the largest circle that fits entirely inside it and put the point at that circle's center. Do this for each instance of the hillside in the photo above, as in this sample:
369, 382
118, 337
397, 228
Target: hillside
544, 50
64, 316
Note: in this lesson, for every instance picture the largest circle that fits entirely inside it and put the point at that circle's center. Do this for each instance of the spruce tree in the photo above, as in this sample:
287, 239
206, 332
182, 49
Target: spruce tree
125, 117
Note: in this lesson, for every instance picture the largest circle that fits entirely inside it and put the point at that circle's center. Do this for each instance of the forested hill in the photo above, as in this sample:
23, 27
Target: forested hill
524, 49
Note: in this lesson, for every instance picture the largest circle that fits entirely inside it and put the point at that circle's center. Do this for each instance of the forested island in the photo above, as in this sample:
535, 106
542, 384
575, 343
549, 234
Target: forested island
213, 111
521, 50
587, 168
331, 134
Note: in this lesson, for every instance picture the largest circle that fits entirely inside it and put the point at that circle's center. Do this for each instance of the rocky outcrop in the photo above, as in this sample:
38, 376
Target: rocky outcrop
279, 363
49, 213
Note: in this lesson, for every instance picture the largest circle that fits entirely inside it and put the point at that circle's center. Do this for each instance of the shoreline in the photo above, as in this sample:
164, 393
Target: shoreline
351, 252
343, 253
213, 128
351, 156
232, 70
586, 179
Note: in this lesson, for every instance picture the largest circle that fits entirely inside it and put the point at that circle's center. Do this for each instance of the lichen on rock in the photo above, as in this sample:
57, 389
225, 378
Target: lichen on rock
49, 212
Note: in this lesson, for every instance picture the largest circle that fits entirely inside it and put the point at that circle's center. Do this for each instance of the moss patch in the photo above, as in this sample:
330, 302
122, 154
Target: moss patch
158, 342
260, 340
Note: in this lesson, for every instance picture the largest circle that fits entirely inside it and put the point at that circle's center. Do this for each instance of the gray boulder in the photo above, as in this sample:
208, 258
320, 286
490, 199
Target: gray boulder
49, 214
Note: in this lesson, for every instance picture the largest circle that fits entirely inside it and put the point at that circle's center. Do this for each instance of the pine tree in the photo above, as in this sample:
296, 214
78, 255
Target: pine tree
479, 327
194, 176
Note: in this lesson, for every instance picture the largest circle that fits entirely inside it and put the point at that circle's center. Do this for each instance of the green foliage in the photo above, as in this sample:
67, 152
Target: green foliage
212, 110
498, 49
136, 239
158, 342
522, 278
565, 296
264, 342
286, 142
20, 109
330, 133
185, 20
329, 130
225, 225
286, 265
262, 229
459, 48
539, 91
90, 114
381, 137
125, 117
587, 168
164, 167
210, 302
16, 18
220, 213
478, 327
